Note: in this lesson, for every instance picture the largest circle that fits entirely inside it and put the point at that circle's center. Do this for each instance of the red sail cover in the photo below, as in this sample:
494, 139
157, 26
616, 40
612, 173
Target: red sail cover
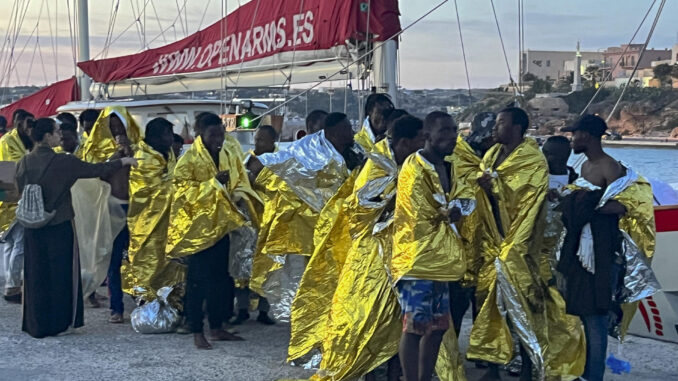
45, 101
258, 29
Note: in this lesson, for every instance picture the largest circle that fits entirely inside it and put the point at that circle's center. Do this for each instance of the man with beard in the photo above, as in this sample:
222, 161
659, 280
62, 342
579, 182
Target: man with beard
515, 182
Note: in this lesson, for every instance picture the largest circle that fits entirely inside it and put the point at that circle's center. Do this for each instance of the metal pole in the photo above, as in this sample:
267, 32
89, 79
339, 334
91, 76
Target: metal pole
83, 48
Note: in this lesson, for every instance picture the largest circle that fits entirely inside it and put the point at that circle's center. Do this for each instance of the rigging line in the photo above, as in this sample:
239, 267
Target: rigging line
609, 73
4, 58
42, 61
522, 37
70, 31
181, 21
51, 38
580, 160
144, 22
137, 21
463, 50
640, 57
109, 32
242, 59
4, 42
503, 48
17, 31
17, 58
294, 52
521, 43
111, 27
30, 66
173, 25
329, 78
224, 27
361, 81
157, 18
9, 26
186, 18
202, 19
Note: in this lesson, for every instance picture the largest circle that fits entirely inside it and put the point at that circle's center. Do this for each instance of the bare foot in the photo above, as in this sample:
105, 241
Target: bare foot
222, 335
201, 342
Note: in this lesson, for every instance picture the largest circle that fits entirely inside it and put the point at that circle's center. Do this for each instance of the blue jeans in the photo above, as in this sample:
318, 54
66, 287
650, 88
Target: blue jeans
13, 257
120, 246
595, 329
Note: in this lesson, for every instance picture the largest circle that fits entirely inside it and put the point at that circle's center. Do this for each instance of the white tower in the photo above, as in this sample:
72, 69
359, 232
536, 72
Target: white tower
576, 84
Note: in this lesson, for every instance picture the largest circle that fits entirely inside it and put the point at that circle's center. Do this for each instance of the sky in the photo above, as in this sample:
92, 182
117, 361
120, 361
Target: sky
430, 53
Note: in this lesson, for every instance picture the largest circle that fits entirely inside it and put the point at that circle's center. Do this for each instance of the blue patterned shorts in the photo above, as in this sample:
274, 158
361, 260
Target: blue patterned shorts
425, 306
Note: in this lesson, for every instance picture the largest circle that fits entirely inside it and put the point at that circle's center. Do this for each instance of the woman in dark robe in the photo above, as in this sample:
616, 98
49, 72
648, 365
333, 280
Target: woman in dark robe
52, 290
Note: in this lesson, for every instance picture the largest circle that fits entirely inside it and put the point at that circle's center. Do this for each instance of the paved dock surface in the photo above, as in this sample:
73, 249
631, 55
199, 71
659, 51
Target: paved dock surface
103, 351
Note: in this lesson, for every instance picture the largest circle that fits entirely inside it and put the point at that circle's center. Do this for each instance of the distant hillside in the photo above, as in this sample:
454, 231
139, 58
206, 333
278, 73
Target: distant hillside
650, 112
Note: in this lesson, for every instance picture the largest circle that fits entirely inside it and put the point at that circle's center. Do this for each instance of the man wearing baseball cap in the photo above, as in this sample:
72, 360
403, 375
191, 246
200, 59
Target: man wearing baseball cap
609, 197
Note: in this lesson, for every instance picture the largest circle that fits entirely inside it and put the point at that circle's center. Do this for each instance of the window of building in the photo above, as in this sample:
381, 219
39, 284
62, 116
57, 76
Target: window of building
548, 63
633, 60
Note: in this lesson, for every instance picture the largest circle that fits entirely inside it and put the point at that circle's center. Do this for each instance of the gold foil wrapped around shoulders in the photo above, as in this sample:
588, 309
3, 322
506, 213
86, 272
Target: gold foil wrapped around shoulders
11, 149
99, 145
150, 189
311, 167
202, 210
425, 245
509, 282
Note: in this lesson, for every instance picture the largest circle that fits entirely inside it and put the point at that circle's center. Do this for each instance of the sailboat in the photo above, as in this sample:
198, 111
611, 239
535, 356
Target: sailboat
263, 43
270, 43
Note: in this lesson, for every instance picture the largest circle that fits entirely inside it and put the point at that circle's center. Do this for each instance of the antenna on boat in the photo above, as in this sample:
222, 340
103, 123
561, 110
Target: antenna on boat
83, 48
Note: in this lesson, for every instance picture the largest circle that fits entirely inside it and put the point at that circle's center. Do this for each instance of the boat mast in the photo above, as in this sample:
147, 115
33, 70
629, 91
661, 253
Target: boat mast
385, 69
83, 48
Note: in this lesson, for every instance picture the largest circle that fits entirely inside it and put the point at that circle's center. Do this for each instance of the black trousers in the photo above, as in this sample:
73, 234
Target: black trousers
208, 280
461, 298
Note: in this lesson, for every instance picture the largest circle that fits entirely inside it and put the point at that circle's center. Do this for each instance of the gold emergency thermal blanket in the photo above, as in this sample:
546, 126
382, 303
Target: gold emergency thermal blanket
311, 305
638, 244
566, 350
11, 149
425, 244
365, 137
150, 190
509, 283
364, 326
638, 223
99, 145
99, 218
203, 210
466, 166
308, 173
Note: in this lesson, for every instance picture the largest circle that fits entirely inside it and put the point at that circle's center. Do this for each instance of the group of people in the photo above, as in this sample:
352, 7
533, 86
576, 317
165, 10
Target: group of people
374, 245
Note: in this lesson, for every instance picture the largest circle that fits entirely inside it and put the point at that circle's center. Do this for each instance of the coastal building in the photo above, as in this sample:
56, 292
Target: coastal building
551, 65
629, 59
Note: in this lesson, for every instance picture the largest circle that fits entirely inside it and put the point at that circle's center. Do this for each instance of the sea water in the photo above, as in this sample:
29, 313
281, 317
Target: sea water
656, 163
